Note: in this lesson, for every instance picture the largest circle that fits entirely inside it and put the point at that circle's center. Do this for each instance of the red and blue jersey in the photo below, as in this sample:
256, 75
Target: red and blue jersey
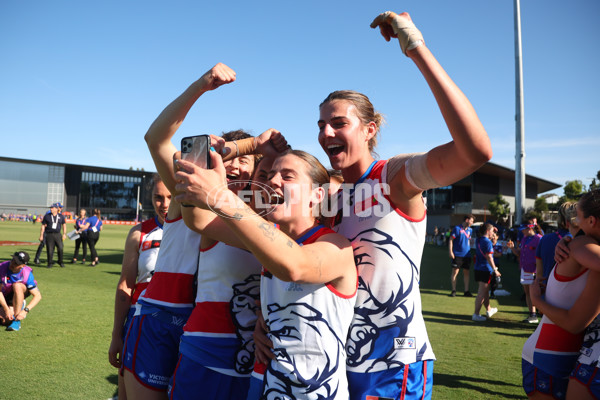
150, 238
172, 287
218, 333
388, 328
551, 348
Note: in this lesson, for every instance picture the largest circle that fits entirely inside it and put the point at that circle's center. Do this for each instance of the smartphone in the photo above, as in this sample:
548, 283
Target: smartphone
196, 149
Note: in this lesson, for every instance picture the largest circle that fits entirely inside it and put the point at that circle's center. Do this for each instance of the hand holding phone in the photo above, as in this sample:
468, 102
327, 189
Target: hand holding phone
195, 149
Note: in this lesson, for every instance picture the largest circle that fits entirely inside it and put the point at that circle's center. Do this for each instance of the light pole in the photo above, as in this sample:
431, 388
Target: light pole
137, 205
520, 122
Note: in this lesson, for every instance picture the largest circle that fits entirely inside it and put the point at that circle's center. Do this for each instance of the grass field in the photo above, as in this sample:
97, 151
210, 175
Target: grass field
61, 350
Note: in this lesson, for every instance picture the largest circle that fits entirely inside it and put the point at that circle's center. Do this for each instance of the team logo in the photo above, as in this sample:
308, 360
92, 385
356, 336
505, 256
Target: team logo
405, 343
586, 351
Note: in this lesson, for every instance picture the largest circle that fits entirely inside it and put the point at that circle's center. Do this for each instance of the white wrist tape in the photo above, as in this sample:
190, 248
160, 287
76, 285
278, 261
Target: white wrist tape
416, 171
408, 34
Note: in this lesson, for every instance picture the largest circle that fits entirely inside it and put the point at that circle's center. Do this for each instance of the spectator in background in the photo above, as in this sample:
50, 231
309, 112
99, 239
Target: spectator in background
42, 244
544, 254
459, 247
485, 271
93, 227
82, 240
532, 234
495, 284
52, 224
16, 284
529, 219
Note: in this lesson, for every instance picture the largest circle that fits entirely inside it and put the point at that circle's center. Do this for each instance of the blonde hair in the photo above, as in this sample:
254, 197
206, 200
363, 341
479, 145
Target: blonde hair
567, 213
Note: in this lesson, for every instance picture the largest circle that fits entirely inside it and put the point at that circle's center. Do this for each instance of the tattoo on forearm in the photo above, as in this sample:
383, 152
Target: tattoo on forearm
290, 244
237, 216
268, 230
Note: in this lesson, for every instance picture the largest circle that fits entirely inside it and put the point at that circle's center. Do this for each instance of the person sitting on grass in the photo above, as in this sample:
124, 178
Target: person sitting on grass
16, 284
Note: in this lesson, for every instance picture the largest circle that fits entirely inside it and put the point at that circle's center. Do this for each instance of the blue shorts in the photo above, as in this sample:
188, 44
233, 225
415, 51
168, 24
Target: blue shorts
257, 381
126, 325
412, 381
588, 376
191, 379
256, 388
130, 314
536, 380
151, 349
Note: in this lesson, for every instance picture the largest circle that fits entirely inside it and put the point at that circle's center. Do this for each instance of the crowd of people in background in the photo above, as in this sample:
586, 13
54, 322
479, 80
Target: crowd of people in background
20, 217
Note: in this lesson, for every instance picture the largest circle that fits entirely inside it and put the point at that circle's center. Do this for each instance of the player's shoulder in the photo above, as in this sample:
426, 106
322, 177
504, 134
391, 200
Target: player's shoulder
581, 241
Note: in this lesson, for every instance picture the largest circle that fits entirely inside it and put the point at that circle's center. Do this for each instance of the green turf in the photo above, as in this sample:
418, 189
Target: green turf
61, 350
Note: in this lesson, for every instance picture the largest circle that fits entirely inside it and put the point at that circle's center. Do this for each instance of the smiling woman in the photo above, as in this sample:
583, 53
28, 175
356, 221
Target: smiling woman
309, 280
388, 339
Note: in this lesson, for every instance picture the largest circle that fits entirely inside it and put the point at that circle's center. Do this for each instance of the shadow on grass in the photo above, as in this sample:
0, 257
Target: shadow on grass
111, 258
475, 384
108, 258
460, 319
114, 379
523, 335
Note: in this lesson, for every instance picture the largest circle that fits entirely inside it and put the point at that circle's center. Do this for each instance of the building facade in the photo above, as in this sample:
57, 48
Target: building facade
448, 205
29, 187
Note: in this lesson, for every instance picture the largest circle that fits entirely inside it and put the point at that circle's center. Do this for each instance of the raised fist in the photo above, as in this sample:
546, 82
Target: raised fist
218, 75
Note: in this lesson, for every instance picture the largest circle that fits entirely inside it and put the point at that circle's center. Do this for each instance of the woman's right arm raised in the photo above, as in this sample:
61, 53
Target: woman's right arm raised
158, 137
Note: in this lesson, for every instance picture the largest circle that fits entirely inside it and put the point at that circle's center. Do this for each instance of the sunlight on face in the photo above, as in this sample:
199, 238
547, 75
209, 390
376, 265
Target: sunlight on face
342, 135
239, 169
289, 179
161, 198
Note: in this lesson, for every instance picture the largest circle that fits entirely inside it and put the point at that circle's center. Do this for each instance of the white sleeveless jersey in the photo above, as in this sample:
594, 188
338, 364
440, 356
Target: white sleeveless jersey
551, 348
308, 325
172, 286
218, 333
388, 329
150, 239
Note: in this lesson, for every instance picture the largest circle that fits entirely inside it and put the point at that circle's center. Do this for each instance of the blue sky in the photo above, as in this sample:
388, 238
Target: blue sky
81, 82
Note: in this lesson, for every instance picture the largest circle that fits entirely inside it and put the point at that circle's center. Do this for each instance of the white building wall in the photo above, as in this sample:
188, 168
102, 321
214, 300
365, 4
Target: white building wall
30, 188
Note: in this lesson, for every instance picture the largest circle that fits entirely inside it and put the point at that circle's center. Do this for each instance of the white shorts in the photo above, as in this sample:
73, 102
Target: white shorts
527, 278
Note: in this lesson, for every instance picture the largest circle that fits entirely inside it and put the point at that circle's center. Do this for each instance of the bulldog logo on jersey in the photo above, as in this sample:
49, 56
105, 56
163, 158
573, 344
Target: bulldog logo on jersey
314, 379
379, 327
243, 314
